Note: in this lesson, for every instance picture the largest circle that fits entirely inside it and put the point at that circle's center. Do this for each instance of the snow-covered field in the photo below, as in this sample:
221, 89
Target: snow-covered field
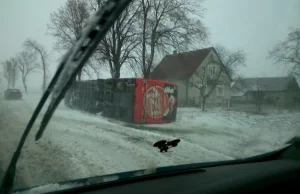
77, 145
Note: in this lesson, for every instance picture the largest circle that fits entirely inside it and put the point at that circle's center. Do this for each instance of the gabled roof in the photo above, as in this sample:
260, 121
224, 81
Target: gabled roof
267, 84
180, 66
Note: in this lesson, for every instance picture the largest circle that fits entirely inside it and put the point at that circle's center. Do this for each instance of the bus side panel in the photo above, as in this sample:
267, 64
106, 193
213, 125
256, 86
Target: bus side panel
156, 101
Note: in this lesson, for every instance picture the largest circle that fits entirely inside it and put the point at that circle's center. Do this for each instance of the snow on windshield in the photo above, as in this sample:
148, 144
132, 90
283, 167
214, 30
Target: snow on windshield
225, 85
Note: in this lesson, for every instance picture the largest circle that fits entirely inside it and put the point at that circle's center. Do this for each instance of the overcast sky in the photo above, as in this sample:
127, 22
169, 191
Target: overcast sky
252, 25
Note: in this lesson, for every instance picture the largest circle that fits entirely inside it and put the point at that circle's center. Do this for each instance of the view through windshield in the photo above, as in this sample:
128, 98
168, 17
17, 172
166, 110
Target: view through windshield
172, 82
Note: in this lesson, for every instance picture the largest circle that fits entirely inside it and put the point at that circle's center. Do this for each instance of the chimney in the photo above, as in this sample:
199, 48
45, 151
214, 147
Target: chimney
174, 52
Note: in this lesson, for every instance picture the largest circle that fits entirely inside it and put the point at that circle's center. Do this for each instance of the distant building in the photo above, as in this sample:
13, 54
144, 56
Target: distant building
276, 90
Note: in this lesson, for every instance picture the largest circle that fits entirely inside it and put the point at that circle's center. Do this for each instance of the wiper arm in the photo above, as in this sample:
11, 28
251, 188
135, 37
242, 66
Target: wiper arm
73, 61
83, 49
8, 178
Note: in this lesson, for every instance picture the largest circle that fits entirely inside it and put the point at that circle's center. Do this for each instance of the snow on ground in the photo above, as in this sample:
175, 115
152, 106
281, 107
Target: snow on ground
77, 145
235, 134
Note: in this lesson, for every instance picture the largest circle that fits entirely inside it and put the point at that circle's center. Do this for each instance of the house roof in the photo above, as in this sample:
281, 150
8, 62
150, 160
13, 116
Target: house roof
267, 84
180, 66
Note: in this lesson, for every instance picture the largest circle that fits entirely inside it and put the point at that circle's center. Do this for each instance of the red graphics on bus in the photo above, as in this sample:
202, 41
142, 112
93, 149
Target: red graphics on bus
155, 101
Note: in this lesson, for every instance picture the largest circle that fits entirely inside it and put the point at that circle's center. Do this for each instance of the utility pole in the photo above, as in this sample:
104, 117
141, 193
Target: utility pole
13, 75
9, 70
1, 75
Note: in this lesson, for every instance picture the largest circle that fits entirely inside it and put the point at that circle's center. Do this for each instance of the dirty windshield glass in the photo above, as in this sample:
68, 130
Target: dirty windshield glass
172, 82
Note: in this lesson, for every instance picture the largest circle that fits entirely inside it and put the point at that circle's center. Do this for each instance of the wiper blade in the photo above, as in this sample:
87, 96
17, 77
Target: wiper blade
91, 35
72, 62
8, 178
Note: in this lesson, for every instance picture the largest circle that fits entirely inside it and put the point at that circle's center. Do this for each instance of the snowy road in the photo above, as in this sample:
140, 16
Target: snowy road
77, 145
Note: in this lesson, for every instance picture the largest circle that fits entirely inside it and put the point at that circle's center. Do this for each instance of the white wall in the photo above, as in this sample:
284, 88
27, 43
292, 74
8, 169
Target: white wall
224, 79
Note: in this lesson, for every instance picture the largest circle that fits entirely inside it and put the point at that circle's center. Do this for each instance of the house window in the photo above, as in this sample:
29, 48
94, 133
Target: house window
220, 90
212, 70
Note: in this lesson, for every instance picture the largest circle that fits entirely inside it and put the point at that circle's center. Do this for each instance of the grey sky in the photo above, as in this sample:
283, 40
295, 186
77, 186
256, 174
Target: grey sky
22, 19
252, 25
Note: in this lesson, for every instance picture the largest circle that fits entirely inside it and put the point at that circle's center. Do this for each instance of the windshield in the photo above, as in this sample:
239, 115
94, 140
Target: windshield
172, 82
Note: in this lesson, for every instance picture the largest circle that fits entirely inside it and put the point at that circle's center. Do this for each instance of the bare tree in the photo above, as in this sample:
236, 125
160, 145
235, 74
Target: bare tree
254, 89
207, 78
258, 95
232, 60
93, 68
10, 72
240, 85
6, 72
167, 25
117, 46
66, 24
288, 51
40, 49
14, 71
26, 62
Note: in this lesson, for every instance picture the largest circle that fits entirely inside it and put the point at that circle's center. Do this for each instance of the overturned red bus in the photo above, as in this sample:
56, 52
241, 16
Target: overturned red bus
134, 100
155, 102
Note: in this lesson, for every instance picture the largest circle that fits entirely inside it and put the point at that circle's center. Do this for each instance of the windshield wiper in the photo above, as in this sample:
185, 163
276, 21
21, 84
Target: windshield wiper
73, 61
8, 178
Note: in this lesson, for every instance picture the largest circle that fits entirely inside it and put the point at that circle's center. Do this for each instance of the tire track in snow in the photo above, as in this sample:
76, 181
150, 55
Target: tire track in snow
145, 140
162, 135
117, 143
185, 137
76, 148
119, 128
77, 157
37, 163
